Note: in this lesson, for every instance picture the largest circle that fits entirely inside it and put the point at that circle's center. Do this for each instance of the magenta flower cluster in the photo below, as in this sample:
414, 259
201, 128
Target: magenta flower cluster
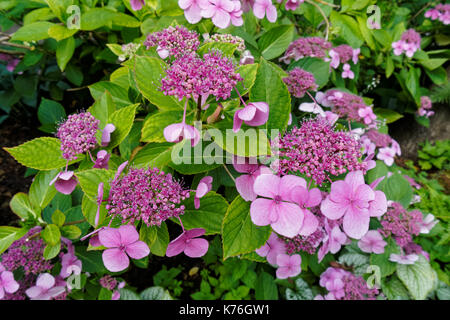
440, 12
401, 224
147, 195
348, 105
173, 41
408, 44
315, 47
381, 140
316, 150
77, 134
192, 76
344, 285
425, 107
299, 82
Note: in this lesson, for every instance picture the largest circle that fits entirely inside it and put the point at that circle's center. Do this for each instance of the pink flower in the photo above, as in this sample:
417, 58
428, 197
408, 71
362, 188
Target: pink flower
219, 11
254, 114
372, 242
306, 199
178, 131
350, 199
432, 13
347, 73
102, 160
70, 264
236, 14
276, 208
403, 259
121, 243
99, 202
204, 186
335, 61
355, 55
333, 241
288, 266
187, 243
137, 5
263, 8
367, 114
65, 182
387, 155
106, 134
45, 288
398, 47
427, 224
292, 4
247, 58
192, 9
7, 282
272, 248
245, 182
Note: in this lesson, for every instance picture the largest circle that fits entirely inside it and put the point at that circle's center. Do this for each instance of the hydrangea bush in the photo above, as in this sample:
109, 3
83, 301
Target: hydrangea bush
250, 122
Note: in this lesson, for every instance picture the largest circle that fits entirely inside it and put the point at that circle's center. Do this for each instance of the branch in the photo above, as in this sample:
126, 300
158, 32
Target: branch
323, 15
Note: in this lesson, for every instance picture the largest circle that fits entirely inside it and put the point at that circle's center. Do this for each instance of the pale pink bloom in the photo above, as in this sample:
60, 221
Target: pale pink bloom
192, 9
204, 186
292, 4
350, 199
387, 155
331, 117
290, 119
367, 145
409, 49
355, 55
99, 202
236, 14
116, 293
307, 199
106, 134
254, 114
45, 288
372, 242
445, 18
367, 114
272, 248
245, 182
137, 5
70, 264
7, 282
396, 147
398, 47
403, 259
335, 61
121, 243
102, 160
188, 243
288, 266
276, 208
333, 241
347, 73
219, 12
178, 131
427, 224
263, 8
65, 182
247, 58
432, 13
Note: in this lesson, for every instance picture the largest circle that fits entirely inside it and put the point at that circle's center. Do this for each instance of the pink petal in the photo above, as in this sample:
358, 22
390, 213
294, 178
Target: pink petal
247, 113
138, 250
237, 122
356, 223
290, 219
299, 195
221, 19
106, 134
244, 185
340, 191
271, 13
115, 260
202, 189
354, 179
310, 223
283, 260
8, 282
267, 185
196, 248
283, 272
66, 187
263, 251
45, 280
110, 238
194, 233
378, 206
259, 10
173, 132
315, 198
128, 234
184, 4
260, 211
176, 246
34, 292
287, 183
364, 193
333, 210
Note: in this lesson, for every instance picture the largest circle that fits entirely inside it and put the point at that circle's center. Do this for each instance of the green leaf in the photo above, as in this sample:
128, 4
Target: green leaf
154, 155
269, 87
41, 153
153, 129
89, 209
394, 289
51, 234
438, 75
125, 20
64, 52
418, 278
239, 234
58, 218
91, 260
319, 68
157, 238
59, 32
155, 293
248, 73
41, 192
148, 72
105, 294
388, 114
51, 251
119, 94
226, 48
358, 261
349, 29
20, 204
265, 287
96, 18
102, 109
32, 32
274, 42
8, 235
302, 291
123, 121
387, 267
74, 74
90, 179
209, 216
398, 189
72, 232
191, 160
41, 14
432, 64
126, 294
50, 113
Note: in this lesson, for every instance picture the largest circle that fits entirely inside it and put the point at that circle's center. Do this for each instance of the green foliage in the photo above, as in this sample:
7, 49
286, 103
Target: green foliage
437, 155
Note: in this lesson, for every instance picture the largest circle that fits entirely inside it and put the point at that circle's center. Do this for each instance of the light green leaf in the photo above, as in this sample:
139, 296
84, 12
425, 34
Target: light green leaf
418, 278
274, 42
265, 288
153, 155
90, 179
41, 192
126, 294
123, 121
119, 94
155, 293
388, 114
239, 234
8, 235
157, 238
32, 32
59, 32
72, 232
20, 204
51, 234
153, 129
51, 251
96, 18
58, 218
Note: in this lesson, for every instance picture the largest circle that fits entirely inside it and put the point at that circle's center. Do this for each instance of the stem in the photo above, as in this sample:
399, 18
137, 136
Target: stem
240, 97
328, 4
181, 223
323, 15
199, 108
184, 112
74, 222
418, 12
315, 102
90, 155
229, 173
349, 126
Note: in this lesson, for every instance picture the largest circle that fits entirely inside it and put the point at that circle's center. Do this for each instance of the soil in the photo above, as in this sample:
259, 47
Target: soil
12, 180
